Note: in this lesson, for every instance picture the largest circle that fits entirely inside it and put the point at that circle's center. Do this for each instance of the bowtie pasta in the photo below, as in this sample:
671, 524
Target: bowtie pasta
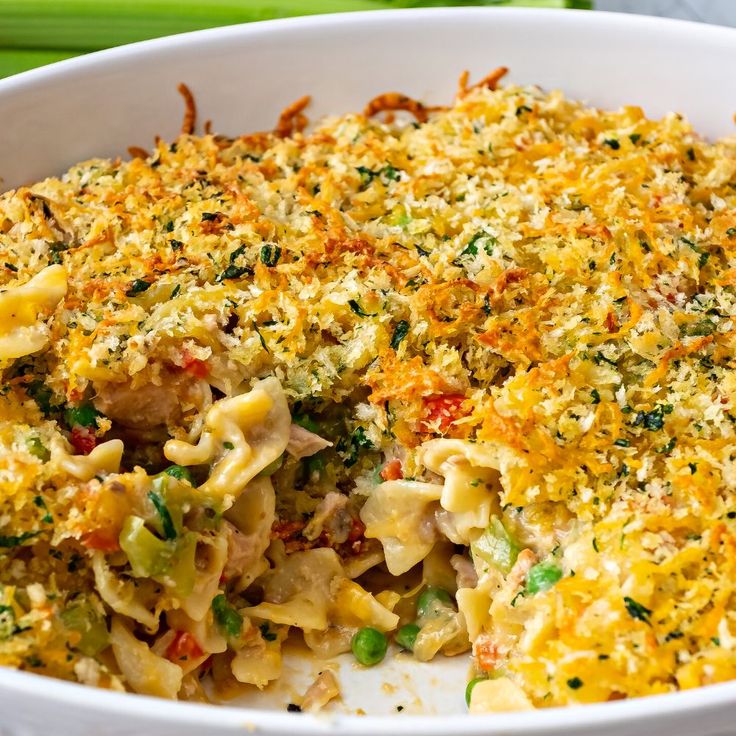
458, 386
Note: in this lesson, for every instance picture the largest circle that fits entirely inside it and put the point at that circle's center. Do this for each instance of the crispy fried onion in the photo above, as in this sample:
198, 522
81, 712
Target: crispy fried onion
292, 119
392, 101
490, 81
190, 109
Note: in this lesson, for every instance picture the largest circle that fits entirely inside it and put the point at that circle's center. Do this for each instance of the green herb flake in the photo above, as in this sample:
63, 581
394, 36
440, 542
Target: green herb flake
270, 255
358, 441
226, 617
652, 420
366, 175
57, 249
41, 504
16, 540
358, 309
260, 337
234, 272
138, 287
266, 632
574, 683
637, 610
400, 332
612, 143
167, 523
666, 449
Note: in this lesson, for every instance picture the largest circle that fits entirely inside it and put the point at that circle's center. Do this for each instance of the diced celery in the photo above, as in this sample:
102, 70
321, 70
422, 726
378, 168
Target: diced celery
182, 570
148, 555
496, 546
83, 618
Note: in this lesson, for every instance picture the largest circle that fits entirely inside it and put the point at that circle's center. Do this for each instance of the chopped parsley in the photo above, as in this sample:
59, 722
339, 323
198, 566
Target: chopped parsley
400, 332
637, 610
652, 420
270, 255
358, 441
227, 618
15, 540
358, 309
138, 287
167, 523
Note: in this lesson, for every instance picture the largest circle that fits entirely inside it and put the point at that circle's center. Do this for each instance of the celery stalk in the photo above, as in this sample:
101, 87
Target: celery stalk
87, 25
14, 61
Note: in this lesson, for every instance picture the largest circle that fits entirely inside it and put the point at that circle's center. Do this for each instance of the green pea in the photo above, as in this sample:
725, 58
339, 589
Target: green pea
84, 415
406, 636
542, 577
369, 646
429, 596
469, 688
179, 472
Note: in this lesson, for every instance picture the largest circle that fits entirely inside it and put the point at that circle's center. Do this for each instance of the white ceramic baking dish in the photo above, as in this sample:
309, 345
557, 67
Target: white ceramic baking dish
242, 77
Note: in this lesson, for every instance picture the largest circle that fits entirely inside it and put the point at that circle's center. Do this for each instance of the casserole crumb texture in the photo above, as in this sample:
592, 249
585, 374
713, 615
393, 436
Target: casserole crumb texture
466, 383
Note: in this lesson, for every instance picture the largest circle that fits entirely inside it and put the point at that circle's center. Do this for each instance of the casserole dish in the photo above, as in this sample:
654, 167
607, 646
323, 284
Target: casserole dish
102, 104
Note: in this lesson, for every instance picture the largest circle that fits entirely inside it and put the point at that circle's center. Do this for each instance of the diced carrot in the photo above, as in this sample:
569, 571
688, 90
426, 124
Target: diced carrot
486, 652
392, 470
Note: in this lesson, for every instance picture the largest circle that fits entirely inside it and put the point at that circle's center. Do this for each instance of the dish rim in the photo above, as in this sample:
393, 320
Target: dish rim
573, 719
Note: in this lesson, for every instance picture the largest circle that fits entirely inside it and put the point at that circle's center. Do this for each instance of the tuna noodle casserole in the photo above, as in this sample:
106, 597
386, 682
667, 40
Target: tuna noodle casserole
461, 386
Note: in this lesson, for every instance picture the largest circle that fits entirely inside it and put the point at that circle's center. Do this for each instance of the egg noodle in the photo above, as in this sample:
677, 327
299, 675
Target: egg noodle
463, 383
